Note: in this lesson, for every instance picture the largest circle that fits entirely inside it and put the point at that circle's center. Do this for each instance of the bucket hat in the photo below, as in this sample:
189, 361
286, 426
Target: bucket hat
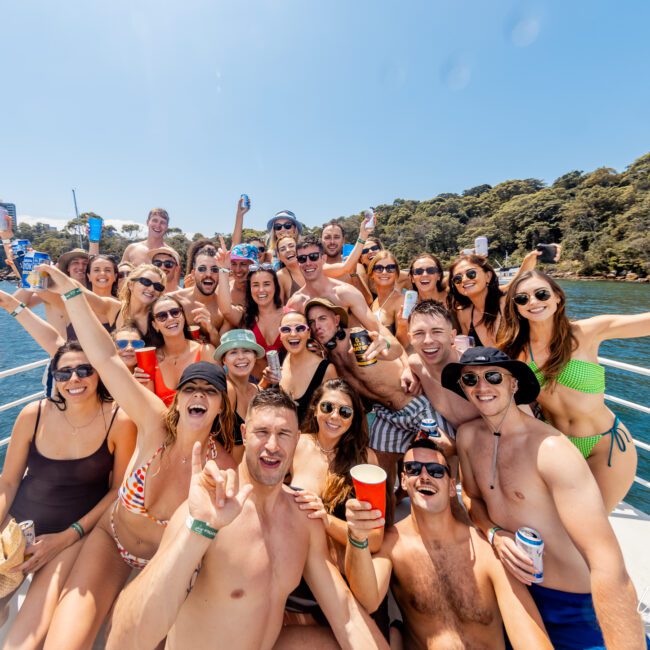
285, 214
244, 252
234, 339
328, 304
64, 260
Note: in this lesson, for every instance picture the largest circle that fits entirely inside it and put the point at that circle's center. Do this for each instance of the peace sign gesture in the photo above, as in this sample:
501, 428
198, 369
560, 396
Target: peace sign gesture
223, 254
215, 496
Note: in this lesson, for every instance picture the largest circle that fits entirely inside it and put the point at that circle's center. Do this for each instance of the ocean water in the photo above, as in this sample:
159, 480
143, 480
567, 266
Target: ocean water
585, 299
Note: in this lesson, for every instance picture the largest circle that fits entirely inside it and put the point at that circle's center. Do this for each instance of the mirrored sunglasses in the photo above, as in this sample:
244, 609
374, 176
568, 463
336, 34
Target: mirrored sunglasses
542, 295
345, 412
493, 377
470, 274
122, 344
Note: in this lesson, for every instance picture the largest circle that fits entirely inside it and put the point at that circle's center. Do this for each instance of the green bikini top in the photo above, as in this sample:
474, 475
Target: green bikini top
583, 376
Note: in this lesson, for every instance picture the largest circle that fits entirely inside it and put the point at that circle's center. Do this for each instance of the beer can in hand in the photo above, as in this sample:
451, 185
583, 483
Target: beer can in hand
369, 216
29, 530
428, 429
273, 362
245, 201
532, 544
361, 341
410, 300
32, 279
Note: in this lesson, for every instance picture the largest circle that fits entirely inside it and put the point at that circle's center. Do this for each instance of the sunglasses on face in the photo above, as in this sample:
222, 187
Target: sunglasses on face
345, 412
470, 274
434, 470
205, 269
380, 268
542, 295
260, 267
290, 329
429, 270
261, 249
82, 371
365, 251
279, 226
493, 377
122, 344
313, 257
146, 282
168, 264
174, 312
122, 274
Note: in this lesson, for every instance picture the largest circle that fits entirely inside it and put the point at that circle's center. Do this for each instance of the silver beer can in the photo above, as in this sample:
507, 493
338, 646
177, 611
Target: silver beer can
532, 544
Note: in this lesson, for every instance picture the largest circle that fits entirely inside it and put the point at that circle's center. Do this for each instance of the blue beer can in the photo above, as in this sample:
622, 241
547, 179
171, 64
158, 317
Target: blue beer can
32, 279
246, 202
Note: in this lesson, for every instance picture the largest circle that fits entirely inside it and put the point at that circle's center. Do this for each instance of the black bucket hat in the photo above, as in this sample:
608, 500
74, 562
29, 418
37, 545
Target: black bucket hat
209, 372
527, 384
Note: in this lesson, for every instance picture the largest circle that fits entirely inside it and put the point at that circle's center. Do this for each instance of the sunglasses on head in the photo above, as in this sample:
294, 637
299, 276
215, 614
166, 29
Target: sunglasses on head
301, 328
542, 295
313, 257
470, 274
174, 312
380, 268
168, 264
205, 269
345, 412
279, 226
122, 344
493, 377
365, 251
429, 270
146, 282
253, 268
82, 371
434, 470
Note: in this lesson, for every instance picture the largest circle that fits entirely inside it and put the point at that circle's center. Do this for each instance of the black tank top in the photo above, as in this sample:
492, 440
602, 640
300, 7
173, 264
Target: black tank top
316, 381
56, 493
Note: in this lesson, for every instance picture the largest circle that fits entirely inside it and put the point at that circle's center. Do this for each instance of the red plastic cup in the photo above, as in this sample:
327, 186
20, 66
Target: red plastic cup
195, 332
147, 360
370, 485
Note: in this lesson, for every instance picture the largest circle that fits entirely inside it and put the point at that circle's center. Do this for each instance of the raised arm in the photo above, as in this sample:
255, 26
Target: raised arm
140, 404
41, 331
614, 326
350, 264
239, 222
582, 512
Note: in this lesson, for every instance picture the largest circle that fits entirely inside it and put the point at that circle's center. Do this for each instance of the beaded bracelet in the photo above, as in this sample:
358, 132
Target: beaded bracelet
78, 528
356, 543
71, 294
18, 309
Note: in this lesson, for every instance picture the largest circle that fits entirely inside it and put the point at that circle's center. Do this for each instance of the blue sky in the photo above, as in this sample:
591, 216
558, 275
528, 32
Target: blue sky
320, 107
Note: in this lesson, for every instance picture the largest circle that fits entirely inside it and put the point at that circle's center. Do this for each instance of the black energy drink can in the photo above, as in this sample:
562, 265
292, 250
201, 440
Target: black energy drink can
361, 341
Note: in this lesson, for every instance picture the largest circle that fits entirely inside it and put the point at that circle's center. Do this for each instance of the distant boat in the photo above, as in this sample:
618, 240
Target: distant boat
505, 273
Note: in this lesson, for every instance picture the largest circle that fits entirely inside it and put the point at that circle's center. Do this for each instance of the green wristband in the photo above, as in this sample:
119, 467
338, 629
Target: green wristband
71, 294
78, 528
200, 527
360, 241
356, 543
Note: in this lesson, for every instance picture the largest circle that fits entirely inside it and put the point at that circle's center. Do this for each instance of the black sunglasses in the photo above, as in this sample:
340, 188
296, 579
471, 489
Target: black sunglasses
204, 269
541, 294
174, 312
493, 377
122, 274
429, 270
314, 257
122, 344
279, 226
82, 371
168, 264
346, 412
365, 251
261, 249
380, 268
434, 470
146, 282
470, 274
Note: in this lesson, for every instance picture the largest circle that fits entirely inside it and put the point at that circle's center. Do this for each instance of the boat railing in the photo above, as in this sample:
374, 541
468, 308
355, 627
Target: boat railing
612, 363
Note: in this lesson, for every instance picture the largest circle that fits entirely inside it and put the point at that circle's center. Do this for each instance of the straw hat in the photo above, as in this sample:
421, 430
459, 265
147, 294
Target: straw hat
12, 542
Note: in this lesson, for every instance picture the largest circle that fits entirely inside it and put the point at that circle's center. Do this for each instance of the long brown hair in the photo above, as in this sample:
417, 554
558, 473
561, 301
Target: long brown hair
351, 449
457, 301
514, 335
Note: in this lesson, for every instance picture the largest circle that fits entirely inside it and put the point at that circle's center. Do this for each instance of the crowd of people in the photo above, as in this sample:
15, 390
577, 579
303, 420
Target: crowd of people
206, 500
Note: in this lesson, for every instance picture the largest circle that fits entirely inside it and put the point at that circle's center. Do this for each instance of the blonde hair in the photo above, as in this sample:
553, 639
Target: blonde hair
125, 291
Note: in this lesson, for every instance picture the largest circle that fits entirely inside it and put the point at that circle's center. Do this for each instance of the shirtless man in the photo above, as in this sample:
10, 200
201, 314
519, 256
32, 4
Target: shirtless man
333, 239
450, 587
397, 414
157, 224
518, 471
169, 261
200, 301
231, 555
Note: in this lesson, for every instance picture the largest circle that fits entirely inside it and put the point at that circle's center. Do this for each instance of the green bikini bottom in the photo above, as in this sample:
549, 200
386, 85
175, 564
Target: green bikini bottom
619, 435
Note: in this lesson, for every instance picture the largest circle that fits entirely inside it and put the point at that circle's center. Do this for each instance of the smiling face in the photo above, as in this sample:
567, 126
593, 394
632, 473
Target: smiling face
490, 399
311, 269
271, 435
127, 354
240, 362
101, 274
157, 224
428, 493
262, 288
239, 269
332, 426
382, 276
76, 389
77, 269
470, 286
284, 230
287, 250
163, 261
333, 240
206, 274
424, 281
323, 323
123, 271
174, 318
146, 295
198, 404
295, 339
536, 309
373, 248
432, 338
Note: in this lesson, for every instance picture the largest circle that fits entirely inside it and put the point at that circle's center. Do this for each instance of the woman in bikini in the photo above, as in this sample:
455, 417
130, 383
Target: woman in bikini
302, 370
427, 277
175, 350
384, 271
564, 356
66, 459
129, 532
